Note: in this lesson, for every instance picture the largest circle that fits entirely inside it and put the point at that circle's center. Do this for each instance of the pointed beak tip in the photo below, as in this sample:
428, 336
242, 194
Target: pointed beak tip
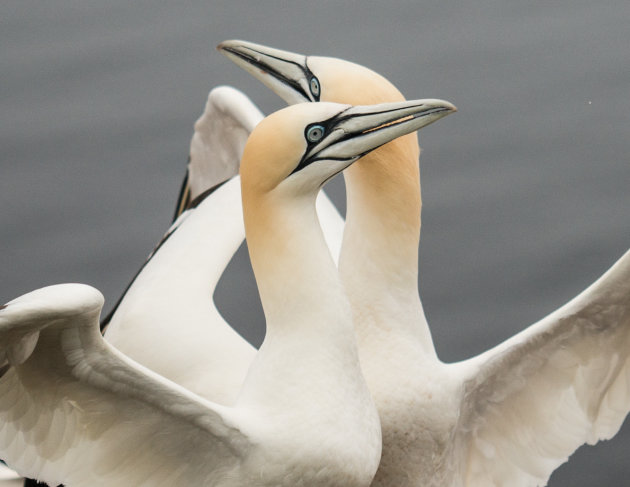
224, 46
448, 106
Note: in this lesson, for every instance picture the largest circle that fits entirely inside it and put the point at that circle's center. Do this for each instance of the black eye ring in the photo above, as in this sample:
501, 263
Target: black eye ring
315, 133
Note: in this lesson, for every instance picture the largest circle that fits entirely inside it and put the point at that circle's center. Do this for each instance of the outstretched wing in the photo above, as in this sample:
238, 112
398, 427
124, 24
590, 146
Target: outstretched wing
166, 319
216, 148
73, 410
534, 399
217, 143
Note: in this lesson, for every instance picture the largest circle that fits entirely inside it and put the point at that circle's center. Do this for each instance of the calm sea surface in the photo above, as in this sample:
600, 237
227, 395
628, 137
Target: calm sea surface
526, 189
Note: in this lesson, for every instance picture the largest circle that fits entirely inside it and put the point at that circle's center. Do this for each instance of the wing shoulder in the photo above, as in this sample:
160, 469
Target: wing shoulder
77, 411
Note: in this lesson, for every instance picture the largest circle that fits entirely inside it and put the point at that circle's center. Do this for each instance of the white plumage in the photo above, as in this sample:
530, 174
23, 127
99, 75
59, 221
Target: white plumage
507, 417
167, 320
75, 410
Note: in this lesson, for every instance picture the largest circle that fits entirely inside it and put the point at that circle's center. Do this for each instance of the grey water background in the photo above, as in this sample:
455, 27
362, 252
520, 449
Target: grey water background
526, 189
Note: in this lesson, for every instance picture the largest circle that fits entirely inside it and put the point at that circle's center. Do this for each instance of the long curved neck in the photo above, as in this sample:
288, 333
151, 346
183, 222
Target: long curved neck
309, 321
293, 268
379, 254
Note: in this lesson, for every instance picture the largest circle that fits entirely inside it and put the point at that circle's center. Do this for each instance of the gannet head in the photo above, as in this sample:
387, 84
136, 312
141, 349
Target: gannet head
297, 78
302, 146
288, 157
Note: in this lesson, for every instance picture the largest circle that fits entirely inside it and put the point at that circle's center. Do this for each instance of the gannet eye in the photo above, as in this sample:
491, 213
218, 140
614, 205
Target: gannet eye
314, 85
314, 133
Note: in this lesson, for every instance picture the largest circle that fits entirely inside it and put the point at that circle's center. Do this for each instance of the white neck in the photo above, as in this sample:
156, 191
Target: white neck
310, 342
379, 255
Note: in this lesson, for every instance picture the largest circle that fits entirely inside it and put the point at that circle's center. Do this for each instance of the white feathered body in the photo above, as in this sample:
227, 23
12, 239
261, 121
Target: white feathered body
512, 415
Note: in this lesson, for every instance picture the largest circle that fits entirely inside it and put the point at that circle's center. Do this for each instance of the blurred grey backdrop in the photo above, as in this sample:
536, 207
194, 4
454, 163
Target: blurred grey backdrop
526, 190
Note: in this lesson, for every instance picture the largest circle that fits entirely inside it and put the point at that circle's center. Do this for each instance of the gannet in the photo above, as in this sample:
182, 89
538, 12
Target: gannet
508, 417
73, 409
167, 320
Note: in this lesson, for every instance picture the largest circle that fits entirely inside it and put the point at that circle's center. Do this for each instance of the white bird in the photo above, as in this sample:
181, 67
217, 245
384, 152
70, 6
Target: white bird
508, 417
167, 320
75, 410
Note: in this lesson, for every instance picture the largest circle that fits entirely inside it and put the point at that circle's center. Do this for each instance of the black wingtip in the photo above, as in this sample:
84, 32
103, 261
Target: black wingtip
35, 483
3, 306
183, 200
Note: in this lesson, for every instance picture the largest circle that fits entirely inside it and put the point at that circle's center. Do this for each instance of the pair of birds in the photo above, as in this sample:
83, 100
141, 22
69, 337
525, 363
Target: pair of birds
298, 412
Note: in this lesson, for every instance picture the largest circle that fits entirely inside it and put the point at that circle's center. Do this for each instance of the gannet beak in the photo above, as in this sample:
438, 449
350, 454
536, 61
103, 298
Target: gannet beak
284, 72
358, 130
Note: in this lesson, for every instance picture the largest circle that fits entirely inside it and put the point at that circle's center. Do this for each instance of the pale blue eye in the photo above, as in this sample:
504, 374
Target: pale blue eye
315, 133
314, 84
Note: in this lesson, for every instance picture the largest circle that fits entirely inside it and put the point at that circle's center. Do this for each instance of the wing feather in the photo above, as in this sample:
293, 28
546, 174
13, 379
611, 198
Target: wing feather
169, 304
219, 138
533, 400
77, 411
